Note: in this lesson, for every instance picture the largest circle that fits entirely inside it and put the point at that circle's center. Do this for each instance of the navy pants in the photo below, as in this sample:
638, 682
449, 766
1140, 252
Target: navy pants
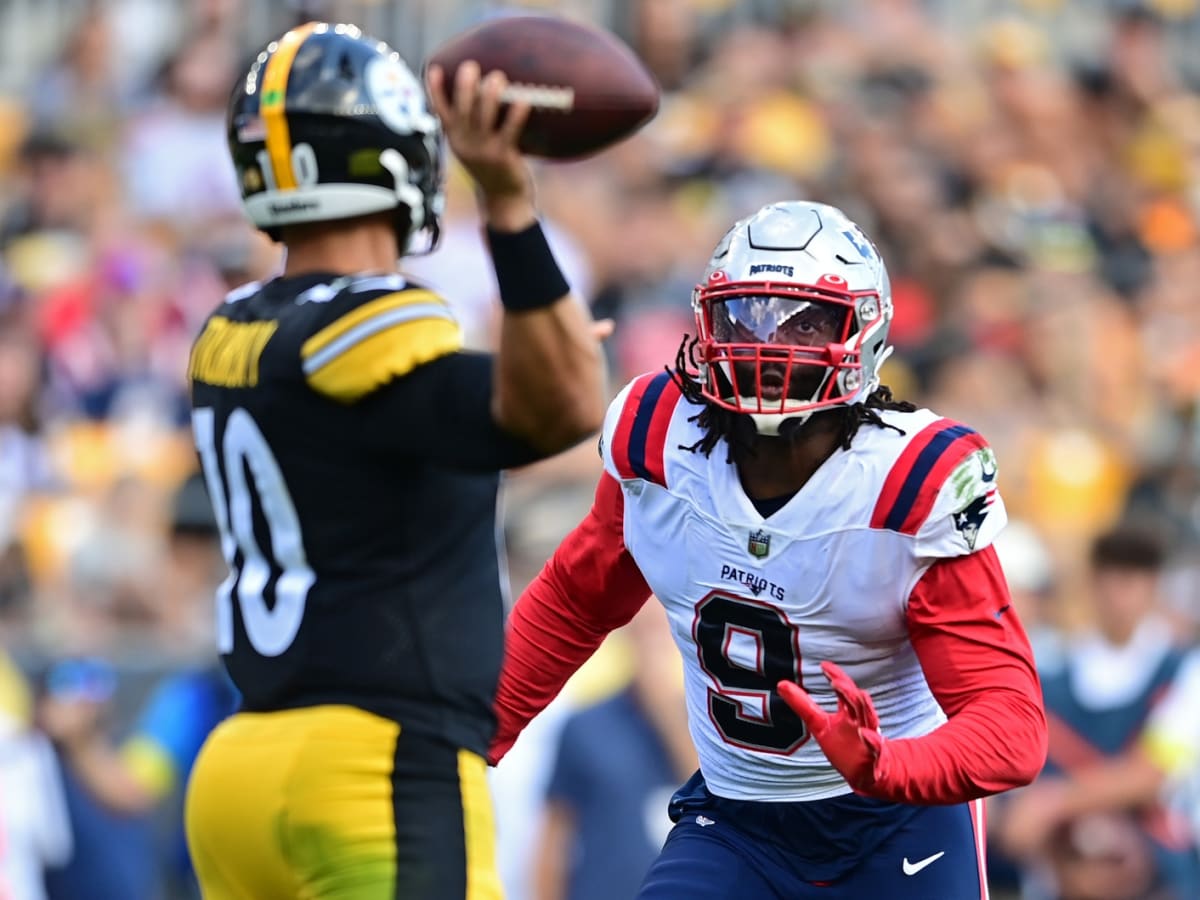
845, 848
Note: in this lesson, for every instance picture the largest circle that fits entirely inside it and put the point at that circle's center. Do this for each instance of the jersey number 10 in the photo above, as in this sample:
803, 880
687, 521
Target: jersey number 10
270, 630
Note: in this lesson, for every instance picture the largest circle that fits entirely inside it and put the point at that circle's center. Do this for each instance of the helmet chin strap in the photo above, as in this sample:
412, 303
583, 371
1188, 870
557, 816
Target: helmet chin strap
771, 424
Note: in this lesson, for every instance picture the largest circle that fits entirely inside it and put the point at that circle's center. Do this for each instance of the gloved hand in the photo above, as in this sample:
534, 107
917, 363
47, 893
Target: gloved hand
849, 737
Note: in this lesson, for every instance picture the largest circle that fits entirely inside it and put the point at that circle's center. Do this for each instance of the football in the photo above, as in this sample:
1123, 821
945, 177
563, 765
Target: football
587, 90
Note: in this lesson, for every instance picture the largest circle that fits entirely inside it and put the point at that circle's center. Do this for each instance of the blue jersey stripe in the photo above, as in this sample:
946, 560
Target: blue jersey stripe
925, 461
641, 425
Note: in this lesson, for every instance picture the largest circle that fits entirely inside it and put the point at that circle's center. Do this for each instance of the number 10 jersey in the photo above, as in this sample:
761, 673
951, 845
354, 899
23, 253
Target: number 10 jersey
352, 461
754, 600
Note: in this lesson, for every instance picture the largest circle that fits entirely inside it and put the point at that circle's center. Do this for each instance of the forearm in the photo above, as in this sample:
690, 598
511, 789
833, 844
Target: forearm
553, 853
552, 631
1126, 782
590, 587
103, 773
979, 666
550, 372
550, 375
994, 745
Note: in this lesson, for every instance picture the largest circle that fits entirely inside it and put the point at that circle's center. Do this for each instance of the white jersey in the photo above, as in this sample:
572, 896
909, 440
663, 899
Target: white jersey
35, 830
826, 577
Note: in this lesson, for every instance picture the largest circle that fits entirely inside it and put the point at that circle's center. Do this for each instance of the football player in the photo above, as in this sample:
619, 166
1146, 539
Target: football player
856, 678
352, 451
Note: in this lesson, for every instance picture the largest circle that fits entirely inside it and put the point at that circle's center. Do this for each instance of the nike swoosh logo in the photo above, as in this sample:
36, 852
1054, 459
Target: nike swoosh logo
914, 868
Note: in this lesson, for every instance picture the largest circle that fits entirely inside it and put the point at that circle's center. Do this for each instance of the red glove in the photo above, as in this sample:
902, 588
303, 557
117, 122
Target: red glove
850, 737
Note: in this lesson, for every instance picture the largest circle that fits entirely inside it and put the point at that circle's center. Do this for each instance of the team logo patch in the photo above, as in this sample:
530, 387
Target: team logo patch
970, 520
975, 478
759, 544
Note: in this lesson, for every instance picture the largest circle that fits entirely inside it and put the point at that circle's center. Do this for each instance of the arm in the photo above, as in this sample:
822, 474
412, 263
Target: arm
442, 411
550, 374
134, 777
1126, 782
979, 667
553, 852
1165, 753
103, 771
74, 725
590, 587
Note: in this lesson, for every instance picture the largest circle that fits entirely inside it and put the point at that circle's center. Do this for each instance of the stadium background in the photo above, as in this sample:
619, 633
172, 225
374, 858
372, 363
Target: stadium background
1031, 171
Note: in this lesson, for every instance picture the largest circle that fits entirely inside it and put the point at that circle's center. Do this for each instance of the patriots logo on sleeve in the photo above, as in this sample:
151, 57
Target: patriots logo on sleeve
970, 520
971, 479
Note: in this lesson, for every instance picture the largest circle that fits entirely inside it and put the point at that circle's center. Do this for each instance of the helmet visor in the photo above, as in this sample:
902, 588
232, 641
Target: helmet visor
772, 319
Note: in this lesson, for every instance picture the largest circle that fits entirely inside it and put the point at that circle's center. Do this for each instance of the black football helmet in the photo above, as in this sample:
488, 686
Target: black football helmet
328, 124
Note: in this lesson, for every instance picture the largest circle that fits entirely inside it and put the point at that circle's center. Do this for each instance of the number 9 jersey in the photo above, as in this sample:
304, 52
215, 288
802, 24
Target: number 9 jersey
754, 600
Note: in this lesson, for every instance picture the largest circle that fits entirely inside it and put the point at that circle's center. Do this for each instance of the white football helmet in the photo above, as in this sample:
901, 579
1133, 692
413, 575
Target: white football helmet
792, 316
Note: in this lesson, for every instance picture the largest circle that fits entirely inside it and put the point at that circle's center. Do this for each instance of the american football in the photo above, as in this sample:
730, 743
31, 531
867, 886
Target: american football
586, 88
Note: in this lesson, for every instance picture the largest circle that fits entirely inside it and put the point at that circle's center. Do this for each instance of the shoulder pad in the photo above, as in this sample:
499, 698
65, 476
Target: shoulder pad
919, 473
635, 429
371, 333
968, 511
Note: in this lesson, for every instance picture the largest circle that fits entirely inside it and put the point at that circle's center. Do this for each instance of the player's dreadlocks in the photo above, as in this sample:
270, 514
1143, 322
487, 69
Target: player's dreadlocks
738, 429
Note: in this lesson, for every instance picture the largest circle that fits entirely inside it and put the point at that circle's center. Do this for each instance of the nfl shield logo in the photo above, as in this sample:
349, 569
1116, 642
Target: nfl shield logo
760, 544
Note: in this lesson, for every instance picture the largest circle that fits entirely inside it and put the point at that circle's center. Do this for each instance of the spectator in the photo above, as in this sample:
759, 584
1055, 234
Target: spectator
1097, 706
33, 813
110, 847
117, 789
1032, 176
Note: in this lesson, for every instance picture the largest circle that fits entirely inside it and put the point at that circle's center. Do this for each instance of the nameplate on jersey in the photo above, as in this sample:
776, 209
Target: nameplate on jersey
227, 353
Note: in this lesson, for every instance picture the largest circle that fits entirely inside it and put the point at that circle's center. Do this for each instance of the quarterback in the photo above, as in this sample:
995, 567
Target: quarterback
856, 679
351, 450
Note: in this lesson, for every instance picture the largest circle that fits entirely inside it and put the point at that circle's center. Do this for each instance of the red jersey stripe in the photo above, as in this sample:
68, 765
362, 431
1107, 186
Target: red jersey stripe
931, 486
656, 436
900, 471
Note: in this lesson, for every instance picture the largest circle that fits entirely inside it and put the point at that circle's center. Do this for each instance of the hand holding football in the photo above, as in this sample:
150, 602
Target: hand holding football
586, 89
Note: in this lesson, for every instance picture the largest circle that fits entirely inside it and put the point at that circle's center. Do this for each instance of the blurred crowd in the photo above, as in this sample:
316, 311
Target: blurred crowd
1031, 174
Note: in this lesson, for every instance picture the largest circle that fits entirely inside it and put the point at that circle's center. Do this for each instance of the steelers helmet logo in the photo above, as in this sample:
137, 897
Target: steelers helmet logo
399, 99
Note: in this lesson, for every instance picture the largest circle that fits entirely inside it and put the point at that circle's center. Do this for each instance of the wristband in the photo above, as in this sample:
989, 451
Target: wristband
526, 271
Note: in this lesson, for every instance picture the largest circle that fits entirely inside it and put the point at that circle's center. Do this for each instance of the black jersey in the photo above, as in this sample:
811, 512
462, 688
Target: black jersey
352, 459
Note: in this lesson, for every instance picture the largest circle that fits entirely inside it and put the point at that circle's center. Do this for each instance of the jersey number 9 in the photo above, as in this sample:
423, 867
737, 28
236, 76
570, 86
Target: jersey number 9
725, 625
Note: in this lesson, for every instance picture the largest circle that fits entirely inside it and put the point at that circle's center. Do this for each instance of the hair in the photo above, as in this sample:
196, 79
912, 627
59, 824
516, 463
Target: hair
1132, 545
718, 422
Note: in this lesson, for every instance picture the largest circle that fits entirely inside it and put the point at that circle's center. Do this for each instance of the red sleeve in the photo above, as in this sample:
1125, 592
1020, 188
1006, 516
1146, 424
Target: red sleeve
590, 587
979, 665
